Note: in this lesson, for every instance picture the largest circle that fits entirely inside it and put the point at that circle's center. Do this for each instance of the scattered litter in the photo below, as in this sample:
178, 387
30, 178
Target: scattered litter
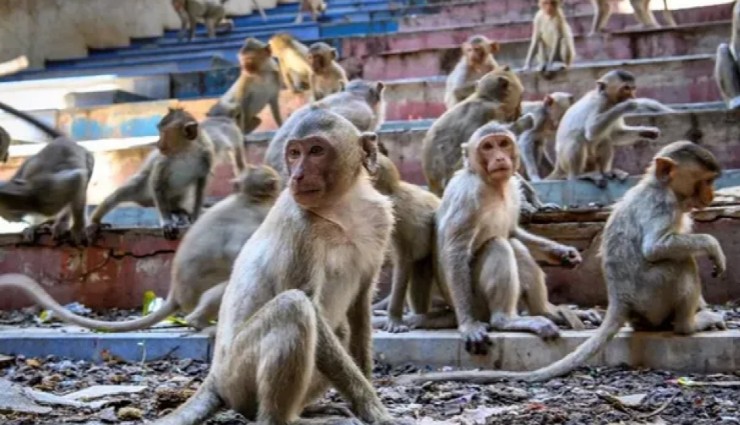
99, 391
688, 382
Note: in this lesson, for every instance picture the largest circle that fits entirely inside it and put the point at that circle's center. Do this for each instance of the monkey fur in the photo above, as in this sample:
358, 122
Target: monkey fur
533, 142
211, 12
258, 85
293, 57
202, 263
650, 231
727, 66
477, 60
316, 7
552, 39
220, 125
327, 76
593, 126
295, 317
179, 168
361, 103
52, 182
5, 140
643, 14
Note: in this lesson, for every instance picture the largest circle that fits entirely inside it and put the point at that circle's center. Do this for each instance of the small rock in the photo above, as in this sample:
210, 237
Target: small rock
130, 414
34, 363
109, 415
6, 360
632, 400
14, 399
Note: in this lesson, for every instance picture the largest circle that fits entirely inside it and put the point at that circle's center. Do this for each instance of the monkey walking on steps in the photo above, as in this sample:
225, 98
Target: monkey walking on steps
202, 263
316, 7
643, 14
170, 175
593, 126
552, 39
477, 60
295, 317
52, 182
649, 261
727, 65
211, 12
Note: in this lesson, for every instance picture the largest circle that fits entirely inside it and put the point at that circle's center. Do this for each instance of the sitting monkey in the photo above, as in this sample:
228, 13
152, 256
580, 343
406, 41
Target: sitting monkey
202, 263
593, 126
477, 60
211, 12
327, 76
727, 65
552, 39
649, 262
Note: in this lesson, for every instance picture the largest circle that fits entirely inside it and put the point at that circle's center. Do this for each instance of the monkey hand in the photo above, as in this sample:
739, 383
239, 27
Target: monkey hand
170, 230
476, 337
550, 206
718, 259
568, 256
395, 325
651, 133
93, 230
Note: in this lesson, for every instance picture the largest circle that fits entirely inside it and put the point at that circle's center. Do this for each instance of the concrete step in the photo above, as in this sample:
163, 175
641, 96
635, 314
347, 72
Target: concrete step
707, 352
126, 263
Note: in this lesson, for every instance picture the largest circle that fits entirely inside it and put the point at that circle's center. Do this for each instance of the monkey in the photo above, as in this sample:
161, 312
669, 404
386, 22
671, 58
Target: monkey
14, 65
295, 316
169, 176
258, 85
202, 263
361, 103
498, 97
552, 39
411, 242
533, 142
52, 182
327, 75
643, 14
5, 140
211, 12
316, 7
295, 65
593, 126
220, 125
649, 261
727, 70
477, 60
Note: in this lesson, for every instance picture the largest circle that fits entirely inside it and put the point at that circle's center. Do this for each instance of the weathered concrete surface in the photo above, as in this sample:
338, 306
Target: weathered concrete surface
707, 352
439, 52
118, 269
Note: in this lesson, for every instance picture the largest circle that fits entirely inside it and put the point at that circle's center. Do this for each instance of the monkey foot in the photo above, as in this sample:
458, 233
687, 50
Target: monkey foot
708, 320
92, 231
596, 179
545, 328
171, 231
618, 174
550, 206
476, 338
395, 326
31, 233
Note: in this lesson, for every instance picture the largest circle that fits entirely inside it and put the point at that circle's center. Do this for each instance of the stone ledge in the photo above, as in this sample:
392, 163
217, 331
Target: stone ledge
708, 352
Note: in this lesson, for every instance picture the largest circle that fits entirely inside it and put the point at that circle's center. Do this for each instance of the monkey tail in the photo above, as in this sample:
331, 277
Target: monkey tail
197, 409
52, 132
612, 322
39, 294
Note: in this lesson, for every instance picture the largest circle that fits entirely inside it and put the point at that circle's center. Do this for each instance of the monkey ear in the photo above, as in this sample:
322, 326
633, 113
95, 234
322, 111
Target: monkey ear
190, 130
370, 146
601, 86
380, 87
524, 123
495, 47
571, 99
664, 168
503, 82
506, 68
464, 149
333, 54
549, 100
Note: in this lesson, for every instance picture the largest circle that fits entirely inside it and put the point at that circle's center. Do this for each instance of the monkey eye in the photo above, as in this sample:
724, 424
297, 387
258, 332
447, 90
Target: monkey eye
293, 153
316, 150
504, 143
487, 147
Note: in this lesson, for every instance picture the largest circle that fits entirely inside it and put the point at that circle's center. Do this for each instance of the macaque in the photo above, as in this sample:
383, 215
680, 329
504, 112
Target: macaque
295, 65
591, 128
412, 243
316, 7
202, 263
211, 12
552, 39
533, 142
220, 125
52, 182
5, 140
361, 103
643, 14
258, 85
295, 317
169, 176
327, 75
484, 256
727, 65
498, 97
477, 60
649, 258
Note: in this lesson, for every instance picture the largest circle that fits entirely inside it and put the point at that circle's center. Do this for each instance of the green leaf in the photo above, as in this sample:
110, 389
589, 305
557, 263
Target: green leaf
147, 306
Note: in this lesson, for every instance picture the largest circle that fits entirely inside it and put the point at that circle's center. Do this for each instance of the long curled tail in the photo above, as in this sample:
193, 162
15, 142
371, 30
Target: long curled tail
39, 294
26, 117
612, 322
197, 409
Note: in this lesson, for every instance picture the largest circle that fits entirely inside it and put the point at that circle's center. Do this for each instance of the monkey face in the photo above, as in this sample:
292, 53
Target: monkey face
691, 182
311, 164
476, 53
258, 181
549, 6
317, 61
496, 157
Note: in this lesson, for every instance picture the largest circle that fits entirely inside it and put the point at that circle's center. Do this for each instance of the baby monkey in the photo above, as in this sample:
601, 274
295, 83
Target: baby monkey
649, 261
211, 12
552, 39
